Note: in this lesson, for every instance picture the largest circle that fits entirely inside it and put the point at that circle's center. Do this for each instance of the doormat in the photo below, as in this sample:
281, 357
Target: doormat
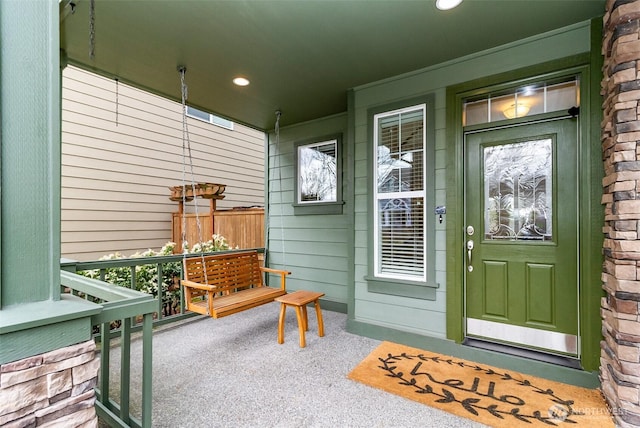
486, 394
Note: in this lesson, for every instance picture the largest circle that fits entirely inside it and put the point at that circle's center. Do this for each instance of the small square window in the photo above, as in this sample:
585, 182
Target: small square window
208, 117
197, 114
317, 179
318, 185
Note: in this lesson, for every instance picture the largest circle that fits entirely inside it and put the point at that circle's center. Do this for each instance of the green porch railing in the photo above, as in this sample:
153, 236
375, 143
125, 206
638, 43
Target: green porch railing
162, 314
126, 305
118, 303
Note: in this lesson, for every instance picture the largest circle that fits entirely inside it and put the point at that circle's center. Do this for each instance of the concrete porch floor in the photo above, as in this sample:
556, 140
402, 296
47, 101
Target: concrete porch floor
231, 372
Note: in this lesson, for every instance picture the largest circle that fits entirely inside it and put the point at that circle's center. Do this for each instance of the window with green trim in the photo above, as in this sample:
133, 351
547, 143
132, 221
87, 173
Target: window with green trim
402, 196
318, 184
318, 173
399, 194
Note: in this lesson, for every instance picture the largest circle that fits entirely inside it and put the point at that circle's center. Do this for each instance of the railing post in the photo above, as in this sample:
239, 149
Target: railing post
134, 280
160, 291
125, 369
147, 369
105, 347
182, 302
134, 286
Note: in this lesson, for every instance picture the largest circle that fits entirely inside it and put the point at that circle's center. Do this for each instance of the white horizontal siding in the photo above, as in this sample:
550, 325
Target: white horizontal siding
116, 176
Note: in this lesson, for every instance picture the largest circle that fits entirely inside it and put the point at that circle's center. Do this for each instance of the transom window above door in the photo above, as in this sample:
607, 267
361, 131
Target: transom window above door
527, 100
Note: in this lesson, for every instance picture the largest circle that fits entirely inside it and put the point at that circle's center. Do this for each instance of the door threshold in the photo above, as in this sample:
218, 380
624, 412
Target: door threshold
523, 353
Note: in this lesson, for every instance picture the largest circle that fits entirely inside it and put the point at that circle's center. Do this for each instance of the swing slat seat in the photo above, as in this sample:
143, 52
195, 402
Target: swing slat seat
224, 284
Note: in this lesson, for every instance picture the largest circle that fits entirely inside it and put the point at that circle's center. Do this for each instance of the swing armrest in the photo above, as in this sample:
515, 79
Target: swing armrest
283, 276
197, 285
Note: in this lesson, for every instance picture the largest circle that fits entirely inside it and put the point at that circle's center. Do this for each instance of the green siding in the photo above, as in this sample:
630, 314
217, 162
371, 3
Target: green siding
405, 314
318, 240
313, 247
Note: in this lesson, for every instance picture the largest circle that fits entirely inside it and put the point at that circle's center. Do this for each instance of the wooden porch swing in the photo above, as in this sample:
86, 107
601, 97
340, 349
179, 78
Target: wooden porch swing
223, 284
220, 284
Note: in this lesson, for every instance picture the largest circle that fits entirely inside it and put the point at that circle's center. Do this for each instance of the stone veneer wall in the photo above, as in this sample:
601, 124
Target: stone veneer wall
51, 389
620, 349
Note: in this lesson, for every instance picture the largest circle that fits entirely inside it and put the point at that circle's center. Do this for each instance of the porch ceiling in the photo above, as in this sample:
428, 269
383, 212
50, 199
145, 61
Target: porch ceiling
300, 56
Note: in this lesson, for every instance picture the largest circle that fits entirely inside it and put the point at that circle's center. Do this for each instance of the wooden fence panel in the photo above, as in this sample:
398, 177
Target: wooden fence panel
242, 228
191, 228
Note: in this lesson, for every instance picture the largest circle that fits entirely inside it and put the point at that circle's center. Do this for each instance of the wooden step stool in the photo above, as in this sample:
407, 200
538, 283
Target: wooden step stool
299, 299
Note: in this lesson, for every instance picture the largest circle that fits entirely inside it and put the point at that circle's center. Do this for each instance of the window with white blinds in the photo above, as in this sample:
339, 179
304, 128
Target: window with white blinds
399, 189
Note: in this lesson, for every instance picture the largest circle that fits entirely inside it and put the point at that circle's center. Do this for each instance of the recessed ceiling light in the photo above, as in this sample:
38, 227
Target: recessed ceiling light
447, 4
241, 81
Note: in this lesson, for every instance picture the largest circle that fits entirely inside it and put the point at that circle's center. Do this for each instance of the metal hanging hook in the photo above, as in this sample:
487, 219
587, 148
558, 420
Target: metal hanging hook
277, 126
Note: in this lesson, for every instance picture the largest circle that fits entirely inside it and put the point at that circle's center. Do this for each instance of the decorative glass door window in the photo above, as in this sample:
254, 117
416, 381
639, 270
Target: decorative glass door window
318, 174
518, 184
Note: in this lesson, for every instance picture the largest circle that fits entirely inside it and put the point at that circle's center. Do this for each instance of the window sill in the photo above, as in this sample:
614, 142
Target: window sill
394, 287
318, 208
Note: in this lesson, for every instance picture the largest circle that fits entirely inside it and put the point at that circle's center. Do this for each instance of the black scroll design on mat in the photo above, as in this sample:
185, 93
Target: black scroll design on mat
559, 412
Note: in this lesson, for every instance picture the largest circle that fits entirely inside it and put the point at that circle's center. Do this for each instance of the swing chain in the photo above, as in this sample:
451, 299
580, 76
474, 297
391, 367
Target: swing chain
277, 159
117, 99
92, 29
186, 154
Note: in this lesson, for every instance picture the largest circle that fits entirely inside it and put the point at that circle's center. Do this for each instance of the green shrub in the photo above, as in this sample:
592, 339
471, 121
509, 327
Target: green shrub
147, 275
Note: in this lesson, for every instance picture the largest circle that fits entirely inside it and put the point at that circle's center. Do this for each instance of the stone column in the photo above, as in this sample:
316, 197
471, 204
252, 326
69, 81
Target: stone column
620, 349
51, 389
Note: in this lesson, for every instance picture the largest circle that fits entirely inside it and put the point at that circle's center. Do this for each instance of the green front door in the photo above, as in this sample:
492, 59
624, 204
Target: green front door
521, 240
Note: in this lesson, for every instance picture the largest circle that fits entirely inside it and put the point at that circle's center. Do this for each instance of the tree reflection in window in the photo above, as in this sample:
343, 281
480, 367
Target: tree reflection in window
318, 179
518, 190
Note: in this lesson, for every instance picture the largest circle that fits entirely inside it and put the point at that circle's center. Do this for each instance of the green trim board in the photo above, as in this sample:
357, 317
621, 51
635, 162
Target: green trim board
329, 208
401, 288
349, 179
33, 328
588, 202
38, 314
330, 305
35, 341
592, 169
